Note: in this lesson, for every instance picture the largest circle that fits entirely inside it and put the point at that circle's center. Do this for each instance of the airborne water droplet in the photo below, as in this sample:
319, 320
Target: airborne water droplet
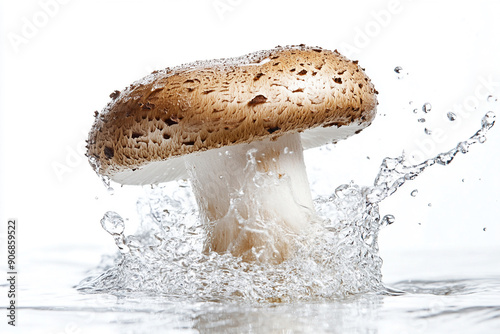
491, 98
426, 107
488, 120
451, 116
388, 220
421, 120
113, 223
463, 147
427, 131
399, 72
414, 193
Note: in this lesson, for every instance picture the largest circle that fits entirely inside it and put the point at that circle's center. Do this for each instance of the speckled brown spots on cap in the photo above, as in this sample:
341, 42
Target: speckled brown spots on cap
210, 104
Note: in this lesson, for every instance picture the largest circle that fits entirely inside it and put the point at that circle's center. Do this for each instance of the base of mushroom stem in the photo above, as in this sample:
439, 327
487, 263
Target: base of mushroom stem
254, 198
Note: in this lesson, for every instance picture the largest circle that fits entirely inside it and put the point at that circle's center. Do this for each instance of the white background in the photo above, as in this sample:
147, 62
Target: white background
60, 62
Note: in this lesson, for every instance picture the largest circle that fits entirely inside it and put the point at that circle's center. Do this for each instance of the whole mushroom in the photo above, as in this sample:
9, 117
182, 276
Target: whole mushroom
236, 128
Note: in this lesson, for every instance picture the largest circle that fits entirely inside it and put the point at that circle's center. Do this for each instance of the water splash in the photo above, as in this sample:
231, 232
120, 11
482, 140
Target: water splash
337, 259
394, 172
113, 223
94, 162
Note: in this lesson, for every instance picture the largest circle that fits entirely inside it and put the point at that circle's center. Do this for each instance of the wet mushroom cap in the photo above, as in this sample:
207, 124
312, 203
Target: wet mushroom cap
142, 134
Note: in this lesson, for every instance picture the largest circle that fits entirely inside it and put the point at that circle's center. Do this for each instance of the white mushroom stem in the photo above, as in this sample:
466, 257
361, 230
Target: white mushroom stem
254, 198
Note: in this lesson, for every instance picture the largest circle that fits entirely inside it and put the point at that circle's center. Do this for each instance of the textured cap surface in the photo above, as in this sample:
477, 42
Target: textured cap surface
142, 133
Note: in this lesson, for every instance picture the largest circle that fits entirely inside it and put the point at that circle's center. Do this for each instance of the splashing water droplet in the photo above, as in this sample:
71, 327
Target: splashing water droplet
421, 120
414, 193
113, 223
463, 147
426, 107
451, 116
388, 220
415, 110
491, 98
399, 71
105, 180
427, 131
488, 120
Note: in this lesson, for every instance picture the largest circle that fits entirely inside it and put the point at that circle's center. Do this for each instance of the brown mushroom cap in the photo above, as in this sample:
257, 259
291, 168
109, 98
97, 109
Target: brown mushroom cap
142, 134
